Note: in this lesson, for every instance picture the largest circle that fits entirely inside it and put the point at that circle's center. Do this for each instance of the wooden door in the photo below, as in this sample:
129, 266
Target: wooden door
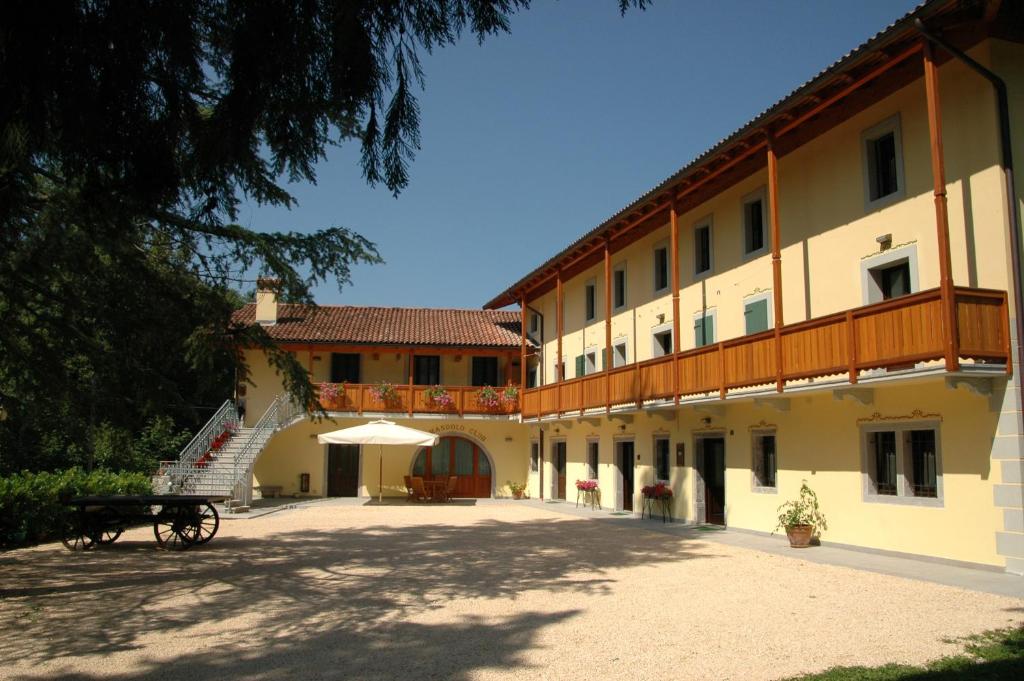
626, 462
459, 457
342, 470
560, 469
713, 474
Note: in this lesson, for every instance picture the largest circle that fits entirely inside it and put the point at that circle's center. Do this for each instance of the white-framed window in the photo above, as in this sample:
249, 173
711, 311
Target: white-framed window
882, 160
661, 268
620, 353
764, 464
902, 463
661, 340
590, 300
534, 324
662, 461
755, 224
757, 313
592, 459
587, 362
704, 328
889, 274
703, 249
619, 286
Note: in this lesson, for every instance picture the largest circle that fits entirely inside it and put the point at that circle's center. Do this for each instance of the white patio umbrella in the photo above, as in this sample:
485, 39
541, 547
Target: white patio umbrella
381, 433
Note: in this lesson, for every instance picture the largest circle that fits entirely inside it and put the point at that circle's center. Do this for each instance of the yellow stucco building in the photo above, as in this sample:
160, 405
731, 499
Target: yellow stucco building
830, 294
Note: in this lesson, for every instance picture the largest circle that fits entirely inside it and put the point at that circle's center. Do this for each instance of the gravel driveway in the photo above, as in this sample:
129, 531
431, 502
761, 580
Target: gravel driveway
460, 592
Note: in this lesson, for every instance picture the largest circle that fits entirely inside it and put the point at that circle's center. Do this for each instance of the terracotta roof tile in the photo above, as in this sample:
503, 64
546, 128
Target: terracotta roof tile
389, 325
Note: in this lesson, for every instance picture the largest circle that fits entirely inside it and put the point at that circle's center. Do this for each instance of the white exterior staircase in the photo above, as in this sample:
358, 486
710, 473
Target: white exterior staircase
226, 471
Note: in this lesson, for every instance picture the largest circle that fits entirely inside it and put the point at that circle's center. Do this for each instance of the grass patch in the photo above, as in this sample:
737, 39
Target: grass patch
991, 656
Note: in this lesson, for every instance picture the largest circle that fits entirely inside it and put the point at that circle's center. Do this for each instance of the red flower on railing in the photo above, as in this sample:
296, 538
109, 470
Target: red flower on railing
439, 397
217, 444
488, 398
331, 393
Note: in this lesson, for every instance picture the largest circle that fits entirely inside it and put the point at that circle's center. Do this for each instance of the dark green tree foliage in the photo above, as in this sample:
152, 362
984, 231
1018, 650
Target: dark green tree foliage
130, 134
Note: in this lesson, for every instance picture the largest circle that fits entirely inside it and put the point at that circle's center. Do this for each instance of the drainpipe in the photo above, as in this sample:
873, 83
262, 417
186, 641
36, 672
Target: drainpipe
1006, 149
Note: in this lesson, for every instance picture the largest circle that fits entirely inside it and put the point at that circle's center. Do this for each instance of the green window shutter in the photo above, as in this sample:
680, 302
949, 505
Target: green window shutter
756, 314
604, 359
581, 366
704, 331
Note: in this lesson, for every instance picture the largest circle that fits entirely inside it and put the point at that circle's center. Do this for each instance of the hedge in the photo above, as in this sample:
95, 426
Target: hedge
31, 510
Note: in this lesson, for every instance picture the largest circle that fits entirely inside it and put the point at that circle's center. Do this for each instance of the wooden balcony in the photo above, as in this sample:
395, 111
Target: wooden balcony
410, 400
893, 334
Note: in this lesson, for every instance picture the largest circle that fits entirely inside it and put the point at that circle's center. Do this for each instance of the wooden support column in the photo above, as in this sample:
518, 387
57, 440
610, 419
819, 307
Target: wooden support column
607, 324
522, 351
674, 260
773, 219
559, 321
949, 331
411, 372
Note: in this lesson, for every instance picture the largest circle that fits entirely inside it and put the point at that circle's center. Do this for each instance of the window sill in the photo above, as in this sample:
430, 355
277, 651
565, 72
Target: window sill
883, 201
925, 502
754, 255
757, 489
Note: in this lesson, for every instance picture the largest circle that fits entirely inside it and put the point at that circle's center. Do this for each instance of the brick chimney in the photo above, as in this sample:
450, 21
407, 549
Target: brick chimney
266, 301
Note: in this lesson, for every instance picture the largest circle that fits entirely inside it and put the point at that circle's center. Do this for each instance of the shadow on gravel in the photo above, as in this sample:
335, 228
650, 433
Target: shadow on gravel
314, 602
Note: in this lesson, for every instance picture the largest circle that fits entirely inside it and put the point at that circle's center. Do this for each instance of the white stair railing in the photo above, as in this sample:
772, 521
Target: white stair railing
225, 418
191, 474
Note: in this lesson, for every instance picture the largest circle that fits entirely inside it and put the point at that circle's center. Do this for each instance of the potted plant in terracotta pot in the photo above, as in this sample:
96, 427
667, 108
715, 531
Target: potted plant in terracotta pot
518, 489
802, 518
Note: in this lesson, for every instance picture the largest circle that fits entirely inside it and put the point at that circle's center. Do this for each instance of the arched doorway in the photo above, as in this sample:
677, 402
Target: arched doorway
453, 455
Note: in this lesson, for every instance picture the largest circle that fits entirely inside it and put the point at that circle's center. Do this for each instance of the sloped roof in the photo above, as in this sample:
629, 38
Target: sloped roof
389, 326
904, 23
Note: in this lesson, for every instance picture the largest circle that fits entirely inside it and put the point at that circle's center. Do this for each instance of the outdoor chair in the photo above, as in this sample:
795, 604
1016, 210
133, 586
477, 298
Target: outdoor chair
409, 494
419, 492
449, 490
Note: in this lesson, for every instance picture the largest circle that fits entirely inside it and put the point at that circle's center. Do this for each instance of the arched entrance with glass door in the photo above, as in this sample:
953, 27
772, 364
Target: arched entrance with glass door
458, 456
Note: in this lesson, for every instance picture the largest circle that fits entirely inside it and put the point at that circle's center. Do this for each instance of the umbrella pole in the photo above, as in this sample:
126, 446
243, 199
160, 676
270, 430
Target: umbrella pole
380, 477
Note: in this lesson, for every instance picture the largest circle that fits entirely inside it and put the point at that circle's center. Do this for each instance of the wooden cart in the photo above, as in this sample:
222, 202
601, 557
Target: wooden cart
179, 522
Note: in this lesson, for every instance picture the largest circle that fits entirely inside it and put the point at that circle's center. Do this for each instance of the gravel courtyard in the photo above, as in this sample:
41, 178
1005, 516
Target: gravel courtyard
494, 591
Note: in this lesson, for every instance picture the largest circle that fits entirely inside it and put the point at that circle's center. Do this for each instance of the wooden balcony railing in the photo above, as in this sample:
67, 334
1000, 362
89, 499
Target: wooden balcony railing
359, 398
892, 334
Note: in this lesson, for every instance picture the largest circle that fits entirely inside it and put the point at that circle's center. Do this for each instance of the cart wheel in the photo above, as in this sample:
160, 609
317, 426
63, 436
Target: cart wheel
209, 522
108, 525
74, 535
175, 527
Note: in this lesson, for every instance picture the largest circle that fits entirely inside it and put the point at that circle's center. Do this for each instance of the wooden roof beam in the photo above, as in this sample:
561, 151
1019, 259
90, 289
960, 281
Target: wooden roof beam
854, 85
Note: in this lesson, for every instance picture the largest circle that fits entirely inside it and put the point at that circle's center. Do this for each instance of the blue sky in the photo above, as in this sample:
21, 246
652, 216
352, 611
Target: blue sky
535, 137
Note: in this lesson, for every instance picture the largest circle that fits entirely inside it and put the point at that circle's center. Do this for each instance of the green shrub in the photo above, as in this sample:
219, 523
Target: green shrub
31, 506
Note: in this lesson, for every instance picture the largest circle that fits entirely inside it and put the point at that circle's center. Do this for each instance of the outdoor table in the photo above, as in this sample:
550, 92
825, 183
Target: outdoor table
436, 488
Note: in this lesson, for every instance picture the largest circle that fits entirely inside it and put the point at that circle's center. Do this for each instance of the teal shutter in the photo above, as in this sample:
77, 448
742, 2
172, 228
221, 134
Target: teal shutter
704, 331
581, 366
756, 314
604, 359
